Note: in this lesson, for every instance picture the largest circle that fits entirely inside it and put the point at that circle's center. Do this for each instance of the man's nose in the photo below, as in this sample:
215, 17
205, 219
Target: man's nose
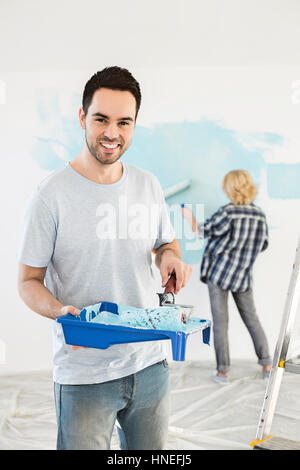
111, 131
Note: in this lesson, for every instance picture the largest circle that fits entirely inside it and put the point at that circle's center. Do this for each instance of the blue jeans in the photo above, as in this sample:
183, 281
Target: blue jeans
86, 414
245, 305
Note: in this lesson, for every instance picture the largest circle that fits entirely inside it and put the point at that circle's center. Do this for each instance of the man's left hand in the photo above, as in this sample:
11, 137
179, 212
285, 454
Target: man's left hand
174, 273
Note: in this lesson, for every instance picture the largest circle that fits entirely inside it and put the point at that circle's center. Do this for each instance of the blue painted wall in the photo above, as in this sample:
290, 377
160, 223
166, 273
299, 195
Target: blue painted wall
201, 151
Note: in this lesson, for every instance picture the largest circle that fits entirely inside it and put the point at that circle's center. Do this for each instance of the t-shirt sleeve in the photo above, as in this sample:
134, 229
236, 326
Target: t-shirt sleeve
38, 233
165, 233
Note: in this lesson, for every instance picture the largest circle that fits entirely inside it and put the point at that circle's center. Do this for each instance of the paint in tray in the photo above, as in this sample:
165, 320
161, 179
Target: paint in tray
106, 323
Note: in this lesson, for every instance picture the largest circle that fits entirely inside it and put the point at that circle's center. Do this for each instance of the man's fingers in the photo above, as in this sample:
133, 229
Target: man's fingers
70, 309
73, 311
181, 278
170, 285
187, 275
164, 277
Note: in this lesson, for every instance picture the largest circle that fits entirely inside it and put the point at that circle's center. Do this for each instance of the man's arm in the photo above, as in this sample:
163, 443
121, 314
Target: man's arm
174, 272
37, 297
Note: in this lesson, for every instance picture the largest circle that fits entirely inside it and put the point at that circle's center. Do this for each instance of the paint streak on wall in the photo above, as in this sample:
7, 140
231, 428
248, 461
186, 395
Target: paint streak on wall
202, 152
284, 181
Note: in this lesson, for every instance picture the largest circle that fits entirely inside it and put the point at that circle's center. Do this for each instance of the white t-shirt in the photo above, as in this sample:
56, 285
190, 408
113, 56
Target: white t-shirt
96, 241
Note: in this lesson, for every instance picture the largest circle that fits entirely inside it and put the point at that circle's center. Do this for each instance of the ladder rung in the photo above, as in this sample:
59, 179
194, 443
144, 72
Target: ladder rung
293, 365
277, 443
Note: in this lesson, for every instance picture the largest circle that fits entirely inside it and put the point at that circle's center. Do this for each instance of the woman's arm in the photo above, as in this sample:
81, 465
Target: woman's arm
217, 225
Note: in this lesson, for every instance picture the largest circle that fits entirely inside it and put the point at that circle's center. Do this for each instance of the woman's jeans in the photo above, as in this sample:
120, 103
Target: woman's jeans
245, 304
86, 414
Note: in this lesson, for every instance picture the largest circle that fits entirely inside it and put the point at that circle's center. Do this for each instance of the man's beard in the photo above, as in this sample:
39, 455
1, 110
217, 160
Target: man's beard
96, 153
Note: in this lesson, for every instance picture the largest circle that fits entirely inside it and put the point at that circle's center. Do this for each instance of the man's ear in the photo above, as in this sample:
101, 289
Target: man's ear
81, 118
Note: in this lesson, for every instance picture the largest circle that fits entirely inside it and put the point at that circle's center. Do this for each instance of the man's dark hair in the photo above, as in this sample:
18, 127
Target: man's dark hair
114, 78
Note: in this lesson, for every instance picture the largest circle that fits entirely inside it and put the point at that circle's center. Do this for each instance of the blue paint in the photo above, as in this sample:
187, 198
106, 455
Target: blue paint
284, 181
48, 104
63, 137
109, 307
160, 318
201, 151
269, 138
45, 156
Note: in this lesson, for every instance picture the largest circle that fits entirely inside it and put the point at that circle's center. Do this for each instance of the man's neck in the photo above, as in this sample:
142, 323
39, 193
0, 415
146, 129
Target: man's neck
86, 165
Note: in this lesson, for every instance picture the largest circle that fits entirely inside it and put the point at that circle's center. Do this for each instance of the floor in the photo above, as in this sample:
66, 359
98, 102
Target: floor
205, 415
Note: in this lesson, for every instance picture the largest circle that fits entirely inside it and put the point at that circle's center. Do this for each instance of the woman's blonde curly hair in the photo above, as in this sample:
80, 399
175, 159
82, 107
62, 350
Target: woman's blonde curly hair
239, 187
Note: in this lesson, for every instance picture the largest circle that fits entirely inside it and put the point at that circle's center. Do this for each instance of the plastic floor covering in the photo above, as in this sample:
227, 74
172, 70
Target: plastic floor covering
204, 415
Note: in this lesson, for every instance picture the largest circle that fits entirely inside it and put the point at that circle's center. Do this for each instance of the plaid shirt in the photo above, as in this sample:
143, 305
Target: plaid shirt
236, 235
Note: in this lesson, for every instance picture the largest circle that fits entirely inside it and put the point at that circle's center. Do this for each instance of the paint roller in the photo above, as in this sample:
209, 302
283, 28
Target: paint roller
177, 188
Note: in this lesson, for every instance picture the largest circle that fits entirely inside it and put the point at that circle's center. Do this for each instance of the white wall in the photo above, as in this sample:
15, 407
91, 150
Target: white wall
62, 37
67, 34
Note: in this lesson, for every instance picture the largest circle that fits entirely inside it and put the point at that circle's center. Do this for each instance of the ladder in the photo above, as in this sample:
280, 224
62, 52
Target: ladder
264, 440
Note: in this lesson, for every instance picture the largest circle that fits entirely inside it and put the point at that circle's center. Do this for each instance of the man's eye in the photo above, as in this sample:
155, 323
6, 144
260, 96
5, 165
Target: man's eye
124, 123
100, 120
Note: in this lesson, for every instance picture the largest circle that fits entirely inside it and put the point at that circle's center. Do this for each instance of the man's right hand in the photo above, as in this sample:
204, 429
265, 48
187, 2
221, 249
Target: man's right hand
38, 298
69, 309
73, 311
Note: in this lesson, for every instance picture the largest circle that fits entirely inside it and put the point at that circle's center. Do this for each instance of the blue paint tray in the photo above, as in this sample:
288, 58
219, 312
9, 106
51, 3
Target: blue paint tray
79, 332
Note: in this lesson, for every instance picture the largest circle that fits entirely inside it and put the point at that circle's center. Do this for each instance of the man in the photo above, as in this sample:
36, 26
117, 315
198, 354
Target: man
85, 258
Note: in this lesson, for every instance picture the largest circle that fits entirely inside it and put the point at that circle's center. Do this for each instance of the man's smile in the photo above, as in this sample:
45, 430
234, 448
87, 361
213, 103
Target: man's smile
109, 148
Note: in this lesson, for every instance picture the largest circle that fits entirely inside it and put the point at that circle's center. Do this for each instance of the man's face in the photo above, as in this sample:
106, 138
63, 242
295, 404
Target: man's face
109, 124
